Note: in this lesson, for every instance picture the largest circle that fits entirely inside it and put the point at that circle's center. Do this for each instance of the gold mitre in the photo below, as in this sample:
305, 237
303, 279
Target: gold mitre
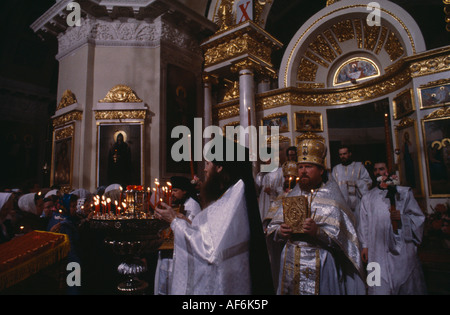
290, 169
312, 150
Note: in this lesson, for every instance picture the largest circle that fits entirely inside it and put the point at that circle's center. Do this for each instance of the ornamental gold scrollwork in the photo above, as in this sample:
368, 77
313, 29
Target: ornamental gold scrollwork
281, 139
66, 118
439, 113
232, 92
441, 143
430, 66
309, 135
121, 94
67, 99
330, 2
225, 18
120, 114
240, 45
405, 122
64, 133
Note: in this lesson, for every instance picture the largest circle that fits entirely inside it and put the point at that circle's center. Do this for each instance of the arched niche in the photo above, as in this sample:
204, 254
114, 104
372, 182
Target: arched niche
340, 32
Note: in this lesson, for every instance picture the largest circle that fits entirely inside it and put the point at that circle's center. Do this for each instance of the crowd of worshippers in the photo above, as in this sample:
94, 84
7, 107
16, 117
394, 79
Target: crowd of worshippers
232, 237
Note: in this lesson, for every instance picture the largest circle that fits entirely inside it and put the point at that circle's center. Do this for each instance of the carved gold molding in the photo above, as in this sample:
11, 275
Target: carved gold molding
234, 47
66, 118
330, 2
309, 135
434, 83
232, 92
246, 40
64, 133
121, 94
120, 114
439, 113
396, 77
67, 99
281, 139
430, 66
392, 81
404, 123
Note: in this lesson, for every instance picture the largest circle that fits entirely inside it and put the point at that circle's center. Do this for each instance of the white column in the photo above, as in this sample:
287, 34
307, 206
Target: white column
264, 85
246, 100
207, 84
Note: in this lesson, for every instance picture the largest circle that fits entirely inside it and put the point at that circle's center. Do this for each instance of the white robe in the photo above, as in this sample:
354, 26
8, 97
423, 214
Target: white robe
273, 180
211, 255
400, 268
354, 182
164, 267
329, 263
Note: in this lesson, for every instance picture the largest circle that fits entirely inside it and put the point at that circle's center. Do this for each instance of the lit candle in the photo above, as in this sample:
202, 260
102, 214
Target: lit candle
296, 180
290, 180
108, 201
154, 190
170, 192
148, 199
116, 204
249, 117
120, 197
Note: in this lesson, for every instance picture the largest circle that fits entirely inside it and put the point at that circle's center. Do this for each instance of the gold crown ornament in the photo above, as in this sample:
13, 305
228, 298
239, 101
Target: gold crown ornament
311, 151
290, 169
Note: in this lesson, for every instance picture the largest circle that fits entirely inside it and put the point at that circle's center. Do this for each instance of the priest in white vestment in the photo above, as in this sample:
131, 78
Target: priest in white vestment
274, 248
223, 251
183, 195
270, 187
325, 258
393, 247
353, 179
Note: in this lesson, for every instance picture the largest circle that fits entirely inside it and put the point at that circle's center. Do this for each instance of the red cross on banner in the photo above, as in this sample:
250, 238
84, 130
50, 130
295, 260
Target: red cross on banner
244, 11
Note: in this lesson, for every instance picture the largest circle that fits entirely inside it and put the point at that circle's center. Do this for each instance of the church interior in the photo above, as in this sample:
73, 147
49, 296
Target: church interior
371, 75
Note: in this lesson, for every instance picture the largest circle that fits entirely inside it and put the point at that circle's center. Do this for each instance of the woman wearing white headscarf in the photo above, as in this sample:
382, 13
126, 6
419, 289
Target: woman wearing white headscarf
6, 206
26, 203
29, 217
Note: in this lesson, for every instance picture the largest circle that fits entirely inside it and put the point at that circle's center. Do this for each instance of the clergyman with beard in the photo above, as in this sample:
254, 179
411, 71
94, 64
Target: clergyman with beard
353, 179
223, 251
323, 259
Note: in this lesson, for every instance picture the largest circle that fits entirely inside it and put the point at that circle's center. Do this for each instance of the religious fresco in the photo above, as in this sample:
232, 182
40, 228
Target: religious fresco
435, 94
403, 104
181, 109
308, 121
276, 120
355, 69
62, 162
408, 150
436, 132
62, 156
119, 154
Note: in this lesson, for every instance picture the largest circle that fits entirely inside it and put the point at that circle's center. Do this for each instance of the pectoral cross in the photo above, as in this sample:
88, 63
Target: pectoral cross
307, 272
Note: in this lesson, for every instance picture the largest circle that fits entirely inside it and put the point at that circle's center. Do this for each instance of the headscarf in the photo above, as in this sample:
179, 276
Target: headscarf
26, 203
53, 192
83, 195
112, 187
4, 197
